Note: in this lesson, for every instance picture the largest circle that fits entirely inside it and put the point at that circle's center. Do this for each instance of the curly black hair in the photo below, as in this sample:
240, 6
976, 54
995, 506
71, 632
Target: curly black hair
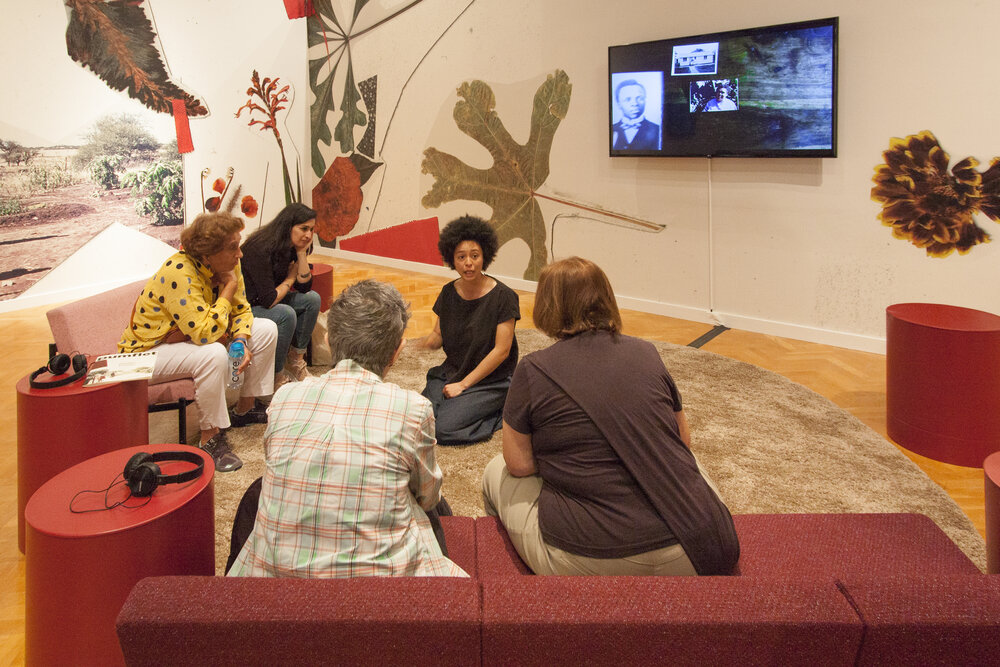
468, 228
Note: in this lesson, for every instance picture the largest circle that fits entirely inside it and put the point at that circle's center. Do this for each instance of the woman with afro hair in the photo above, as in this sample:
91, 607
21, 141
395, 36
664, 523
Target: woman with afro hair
475, 325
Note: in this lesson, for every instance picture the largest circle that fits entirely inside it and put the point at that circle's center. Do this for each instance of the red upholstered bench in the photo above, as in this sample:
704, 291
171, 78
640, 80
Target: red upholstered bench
258, 621
835, 589
781, 545
792, 545
460, 536
667, 620
914, 619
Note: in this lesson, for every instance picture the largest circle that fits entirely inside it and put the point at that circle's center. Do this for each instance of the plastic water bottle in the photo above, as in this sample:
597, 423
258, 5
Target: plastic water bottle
237, 350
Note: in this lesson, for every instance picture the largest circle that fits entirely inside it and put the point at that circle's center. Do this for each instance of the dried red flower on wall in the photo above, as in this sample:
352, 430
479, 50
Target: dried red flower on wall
219, 185
337, 200
926, 205
249, 206
212, 204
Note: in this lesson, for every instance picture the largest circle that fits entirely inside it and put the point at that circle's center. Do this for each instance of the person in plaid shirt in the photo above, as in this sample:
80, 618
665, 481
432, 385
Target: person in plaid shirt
350, 460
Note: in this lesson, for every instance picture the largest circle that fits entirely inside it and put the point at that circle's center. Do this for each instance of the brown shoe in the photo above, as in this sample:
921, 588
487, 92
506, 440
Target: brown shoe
225, 459
281, 378
295, 365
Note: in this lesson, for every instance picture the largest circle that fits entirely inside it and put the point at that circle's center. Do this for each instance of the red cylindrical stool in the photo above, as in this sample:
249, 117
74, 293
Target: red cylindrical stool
60, 427
81, 566
943, 381
991, 475
323, 284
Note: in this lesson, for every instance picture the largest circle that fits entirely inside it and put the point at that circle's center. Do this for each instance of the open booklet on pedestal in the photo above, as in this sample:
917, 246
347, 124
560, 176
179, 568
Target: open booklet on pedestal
120, 367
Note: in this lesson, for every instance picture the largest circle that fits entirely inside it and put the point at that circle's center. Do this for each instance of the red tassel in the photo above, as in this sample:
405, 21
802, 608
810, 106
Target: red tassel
184, 143
297, 9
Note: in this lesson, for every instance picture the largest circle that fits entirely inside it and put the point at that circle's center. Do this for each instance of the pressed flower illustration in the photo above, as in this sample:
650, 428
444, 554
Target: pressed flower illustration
220, 185
272, 99
929, 205
248, 205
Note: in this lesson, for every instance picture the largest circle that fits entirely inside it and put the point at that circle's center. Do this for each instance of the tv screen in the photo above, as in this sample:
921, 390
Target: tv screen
759, 92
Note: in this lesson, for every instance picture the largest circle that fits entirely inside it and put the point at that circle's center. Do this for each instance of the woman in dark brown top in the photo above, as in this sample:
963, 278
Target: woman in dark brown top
596, 475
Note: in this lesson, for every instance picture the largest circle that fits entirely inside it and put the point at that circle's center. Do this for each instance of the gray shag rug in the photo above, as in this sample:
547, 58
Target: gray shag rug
769, 444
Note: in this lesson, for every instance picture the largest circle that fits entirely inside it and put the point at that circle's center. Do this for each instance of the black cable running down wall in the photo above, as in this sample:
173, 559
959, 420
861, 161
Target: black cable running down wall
707, 336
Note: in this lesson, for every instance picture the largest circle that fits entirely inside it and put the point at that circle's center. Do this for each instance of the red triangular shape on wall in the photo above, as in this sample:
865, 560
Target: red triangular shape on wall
414, 241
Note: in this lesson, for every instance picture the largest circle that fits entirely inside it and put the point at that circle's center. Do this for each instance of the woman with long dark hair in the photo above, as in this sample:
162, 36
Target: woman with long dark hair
279, 285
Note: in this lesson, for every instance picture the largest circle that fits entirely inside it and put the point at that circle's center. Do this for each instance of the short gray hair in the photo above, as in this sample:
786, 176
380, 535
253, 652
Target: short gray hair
366, 324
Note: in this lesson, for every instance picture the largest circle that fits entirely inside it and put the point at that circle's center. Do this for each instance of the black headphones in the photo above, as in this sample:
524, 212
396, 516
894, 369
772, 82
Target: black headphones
58, 365
142, 475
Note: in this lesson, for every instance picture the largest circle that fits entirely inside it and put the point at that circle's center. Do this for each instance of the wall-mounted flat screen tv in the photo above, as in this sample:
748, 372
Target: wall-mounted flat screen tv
760, 92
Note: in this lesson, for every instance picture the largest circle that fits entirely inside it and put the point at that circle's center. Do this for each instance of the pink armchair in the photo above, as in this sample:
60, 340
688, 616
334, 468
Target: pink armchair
93, 326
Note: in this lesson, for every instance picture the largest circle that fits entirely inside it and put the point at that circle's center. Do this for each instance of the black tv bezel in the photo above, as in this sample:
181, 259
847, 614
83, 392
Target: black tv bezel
833, 21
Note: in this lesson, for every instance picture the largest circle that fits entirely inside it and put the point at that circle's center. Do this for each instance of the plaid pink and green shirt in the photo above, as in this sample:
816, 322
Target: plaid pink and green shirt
350, 463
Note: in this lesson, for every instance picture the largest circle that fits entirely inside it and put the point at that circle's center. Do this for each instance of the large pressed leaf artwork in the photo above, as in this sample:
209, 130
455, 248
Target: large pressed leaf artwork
117, 42
509, 186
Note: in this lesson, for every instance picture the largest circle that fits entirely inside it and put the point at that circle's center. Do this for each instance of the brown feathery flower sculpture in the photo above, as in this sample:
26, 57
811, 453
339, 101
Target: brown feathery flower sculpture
926, 204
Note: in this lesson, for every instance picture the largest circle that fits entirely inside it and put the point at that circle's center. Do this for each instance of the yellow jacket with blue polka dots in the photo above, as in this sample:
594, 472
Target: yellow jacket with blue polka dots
180, 296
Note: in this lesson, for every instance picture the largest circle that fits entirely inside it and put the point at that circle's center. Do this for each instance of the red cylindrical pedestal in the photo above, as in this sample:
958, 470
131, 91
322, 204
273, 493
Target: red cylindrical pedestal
943, 381
58, 428
323, 284
991, 475
81, 566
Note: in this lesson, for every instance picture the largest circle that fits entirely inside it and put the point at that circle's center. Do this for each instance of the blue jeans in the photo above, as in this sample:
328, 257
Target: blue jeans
295, 316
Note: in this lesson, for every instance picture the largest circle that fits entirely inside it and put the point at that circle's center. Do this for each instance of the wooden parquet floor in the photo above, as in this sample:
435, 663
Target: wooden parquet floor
853, 380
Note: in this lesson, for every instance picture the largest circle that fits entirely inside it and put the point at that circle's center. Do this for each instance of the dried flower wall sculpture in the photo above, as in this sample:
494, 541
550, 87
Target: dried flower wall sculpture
927, 205
509, 186
117, 42
248, 205
272, 100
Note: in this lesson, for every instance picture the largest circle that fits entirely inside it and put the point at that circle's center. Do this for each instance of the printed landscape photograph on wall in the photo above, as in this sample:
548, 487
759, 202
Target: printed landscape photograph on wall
72, 171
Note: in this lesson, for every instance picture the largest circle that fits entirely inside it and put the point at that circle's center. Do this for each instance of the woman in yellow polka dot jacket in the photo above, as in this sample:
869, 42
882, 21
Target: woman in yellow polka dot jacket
189, 311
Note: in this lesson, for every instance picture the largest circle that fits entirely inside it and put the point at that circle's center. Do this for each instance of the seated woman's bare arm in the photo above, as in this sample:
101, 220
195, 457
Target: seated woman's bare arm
431, 341
683, 428
501, 348
517, 452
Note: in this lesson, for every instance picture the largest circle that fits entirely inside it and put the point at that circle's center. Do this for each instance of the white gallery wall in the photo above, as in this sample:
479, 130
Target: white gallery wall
784, 246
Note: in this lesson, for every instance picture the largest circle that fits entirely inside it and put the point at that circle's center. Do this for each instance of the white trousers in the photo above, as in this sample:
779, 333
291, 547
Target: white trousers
209, 366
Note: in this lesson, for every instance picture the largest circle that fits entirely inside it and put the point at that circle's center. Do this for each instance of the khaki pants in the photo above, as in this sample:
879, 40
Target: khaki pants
514, 500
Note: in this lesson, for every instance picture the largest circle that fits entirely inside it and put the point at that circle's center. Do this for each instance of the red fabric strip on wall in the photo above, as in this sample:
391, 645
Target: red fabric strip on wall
184, 143
298, 9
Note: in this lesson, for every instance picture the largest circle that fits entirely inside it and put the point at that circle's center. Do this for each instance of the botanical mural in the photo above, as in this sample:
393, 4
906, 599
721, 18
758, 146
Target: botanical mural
330, 38
63, 180
929, 205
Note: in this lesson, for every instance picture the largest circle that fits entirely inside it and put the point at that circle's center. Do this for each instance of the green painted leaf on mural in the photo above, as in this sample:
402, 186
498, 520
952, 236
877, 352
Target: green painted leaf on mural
358, 6
508, 187
352, 114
